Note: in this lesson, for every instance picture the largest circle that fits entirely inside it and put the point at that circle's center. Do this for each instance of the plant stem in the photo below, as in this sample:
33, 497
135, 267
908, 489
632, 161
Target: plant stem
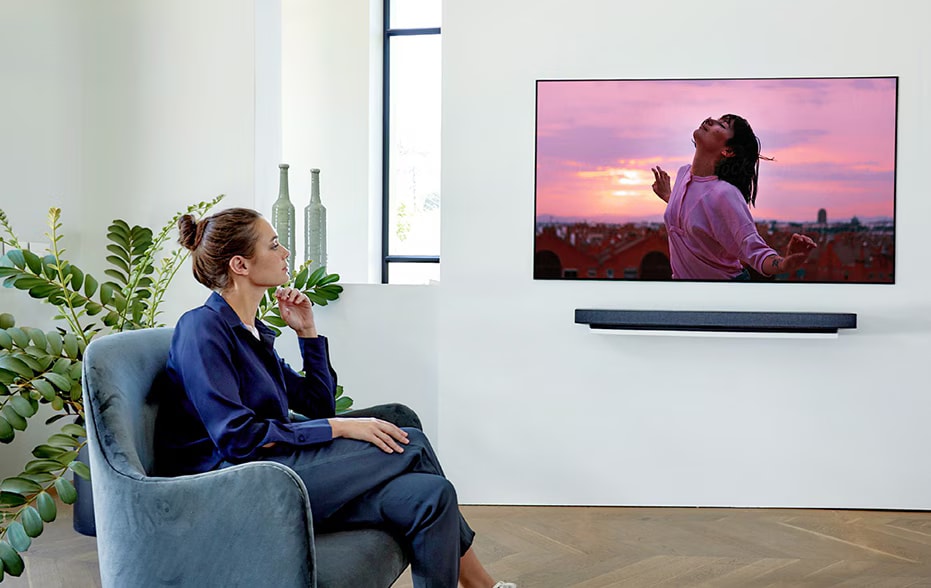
72, 316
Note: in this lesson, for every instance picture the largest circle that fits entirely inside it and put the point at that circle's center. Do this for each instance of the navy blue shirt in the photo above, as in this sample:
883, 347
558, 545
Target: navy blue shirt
229, 393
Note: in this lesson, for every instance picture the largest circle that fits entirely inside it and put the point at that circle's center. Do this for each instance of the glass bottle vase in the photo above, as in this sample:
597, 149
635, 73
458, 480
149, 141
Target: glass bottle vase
315, 225
283, 215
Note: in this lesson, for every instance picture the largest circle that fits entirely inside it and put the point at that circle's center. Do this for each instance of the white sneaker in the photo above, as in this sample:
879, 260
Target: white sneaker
505, 585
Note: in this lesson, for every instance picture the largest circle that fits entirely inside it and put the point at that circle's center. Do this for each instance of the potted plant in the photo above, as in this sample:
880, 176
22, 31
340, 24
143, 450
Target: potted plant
44, 367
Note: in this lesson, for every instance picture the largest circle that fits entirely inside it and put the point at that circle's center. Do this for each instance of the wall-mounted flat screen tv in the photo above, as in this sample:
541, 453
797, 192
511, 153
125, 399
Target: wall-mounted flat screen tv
776, 179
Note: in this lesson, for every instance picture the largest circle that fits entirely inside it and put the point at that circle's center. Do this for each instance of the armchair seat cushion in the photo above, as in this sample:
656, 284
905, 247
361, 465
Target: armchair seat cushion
381, 554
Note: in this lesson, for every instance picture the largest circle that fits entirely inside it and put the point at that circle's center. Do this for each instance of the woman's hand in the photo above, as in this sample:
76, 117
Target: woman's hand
297, 311
379, 433
796, 256
661, 186
800, 245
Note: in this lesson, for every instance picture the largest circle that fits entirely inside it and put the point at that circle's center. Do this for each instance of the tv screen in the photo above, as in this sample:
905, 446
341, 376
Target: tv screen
782, 180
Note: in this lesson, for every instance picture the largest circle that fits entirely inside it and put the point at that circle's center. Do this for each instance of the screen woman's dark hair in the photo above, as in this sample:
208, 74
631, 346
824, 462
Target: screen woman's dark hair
742, 169
215, 239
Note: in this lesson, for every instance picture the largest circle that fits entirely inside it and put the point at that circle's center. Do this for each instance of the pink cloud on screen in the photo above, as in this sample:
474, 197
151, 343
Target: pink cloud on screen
833, 141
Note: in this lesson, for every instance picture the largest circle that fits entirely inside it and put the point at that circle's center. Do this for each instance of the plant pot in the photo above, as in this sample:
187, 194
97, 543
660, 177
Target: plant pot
84, 522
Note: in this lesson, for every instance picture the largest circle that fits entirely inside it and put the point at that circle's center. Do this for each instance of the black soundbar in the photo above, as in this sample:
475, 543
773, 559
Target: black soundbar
726, 321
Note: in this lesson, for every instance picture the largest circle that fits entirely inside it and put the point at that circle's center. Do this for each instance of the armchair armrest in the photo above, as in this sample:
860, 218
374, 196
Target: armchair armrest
246, 525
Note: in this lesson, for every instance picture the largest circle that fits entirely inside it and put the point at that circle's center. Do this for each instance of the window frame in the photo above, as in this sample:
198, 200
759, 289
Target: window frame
386, 258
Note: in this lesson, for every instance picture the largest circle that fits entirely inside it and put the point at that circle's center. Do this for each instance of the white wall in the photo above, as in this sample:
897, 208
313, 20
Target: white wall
526, 407
331, 108
535, 409
116, 109
383, 346
137, 109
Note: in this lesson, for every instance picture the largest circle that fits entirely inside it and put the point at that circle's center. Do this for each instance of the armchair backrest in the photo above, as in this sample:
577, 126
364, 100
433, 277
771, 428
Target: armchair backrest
119, 371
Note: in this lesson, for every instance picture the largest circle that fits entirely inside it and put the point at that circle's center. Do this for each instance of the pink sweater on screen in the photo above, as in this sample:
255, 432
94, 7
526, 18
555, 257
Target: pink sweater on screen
711, 232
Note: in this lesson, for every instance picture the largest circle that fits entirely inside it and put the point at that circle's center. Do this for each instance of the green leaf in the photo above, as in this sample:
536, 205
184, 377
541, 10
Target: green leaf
329, 279
19, 336
111, 318
66, 491
58, 404
119, 251
26, 282
59, 440
66, 458
22, 406
119, 301
7, 433
29, 360
16, 256
316, 276
93, 308
274, 320
71, 345
54, 343
74, 430
50, 266
90, 285
15, 365
41, 466
81, 469
45, 504
139, 249
44, 451
37, 336
118, 262
61, 382
119, 277
106, 292
301, 279
62, 365
330, 292
12, 417
11, 500
32, 522
46, 291
316, 298
40, 478
33, 261
44, 388
77, 278
12, 562
7, 320
120, 227
6, 341
21, 486
16, 535
343, 404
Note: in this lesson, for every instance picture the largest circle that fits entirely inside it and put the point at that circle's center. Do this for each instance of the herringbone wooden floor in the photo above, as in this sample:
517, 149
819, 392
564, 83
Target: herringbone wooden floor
589, 547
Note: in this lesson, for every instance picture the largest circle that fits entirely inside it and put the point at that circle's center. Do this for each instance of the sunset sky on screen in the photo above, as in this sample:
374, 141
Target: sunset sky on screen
833, 141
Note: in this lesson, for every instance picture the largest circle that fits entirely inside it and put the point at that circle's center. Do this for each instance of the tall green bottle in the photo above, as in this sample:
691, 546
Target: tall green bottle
315, 225
283, 215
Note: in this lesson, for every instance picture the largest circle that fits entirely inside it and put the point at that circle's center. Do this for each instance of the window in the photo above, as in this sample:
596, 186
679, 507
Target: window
411, 152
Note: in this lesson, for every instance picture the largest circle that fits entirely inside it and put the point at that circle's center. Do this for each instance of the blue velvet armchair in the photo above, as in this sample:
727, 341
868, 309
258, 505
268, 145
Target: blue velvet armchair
247, 525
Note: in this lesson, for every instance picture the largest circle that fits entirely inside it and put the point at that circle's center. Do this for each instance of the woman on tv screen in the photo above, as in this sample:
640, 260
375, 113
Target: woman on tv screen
712, 235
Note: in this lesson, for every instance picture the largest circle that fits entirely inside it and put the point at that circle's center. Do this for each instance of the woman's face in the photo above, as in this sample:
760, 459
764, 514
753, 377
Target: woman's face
268, 265
713, 135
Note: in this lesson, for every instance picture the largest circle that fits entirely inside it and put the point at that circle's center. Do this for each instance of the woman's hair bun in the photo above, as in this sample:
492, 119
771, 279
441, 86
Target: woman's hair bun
187, 231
